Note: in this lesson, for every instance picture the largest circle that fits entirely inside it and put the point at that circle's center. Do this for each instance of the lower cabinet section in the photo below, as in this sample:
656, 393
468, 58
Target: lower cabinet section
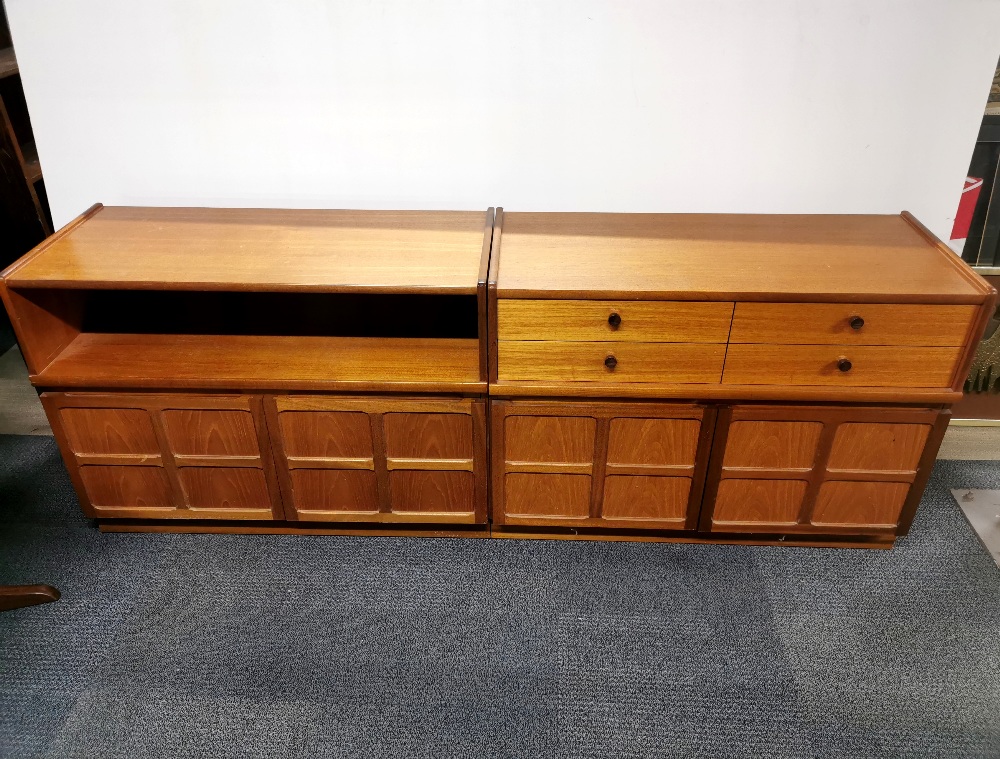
178, 456
849, 470
623, 465
379, 459
794, 470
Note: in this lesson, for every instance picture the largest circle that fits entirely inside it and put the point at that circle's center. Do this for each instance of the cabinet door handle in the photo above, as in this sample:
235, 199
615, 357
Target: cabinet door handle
615, 320
611, 362
844, 364
857, 322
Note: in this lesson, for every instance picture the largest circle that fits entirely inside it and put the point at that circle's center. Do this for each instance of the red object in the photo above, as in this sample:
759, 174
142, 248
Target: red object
966, 207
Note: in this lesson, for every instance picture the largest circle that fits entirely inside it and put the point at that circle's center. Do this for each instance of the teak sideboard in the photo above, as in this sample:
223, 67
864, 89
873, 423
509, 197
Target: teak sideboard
719, 378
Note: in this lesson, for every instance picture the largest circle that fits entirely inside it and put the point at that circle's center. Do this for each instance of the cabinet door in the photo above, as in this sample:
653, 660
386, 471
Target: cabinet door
813, 469
166, 456
617, 465
379, 459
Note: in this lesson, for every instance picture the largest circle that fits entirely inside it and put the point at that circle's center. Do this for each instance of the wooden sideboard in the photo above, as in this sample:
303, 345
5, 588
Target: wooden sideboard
617, 376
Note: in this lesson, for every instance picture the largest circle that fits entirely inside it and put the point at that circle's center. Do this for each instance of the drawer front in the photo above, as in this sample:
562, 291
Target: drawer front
611, 465
820, 469
151, 456
380, 459
615, 321
839, 365
610, 362
851, 324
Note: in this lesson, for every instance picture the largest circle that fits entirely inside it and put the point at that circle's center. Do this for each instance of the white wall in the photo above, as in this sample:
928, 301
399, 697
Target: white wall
630, 105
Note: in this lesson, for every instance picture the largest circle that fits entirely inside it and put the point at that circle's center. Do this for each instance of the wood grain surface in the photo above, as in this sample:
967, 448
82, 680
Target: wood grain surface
727, 257
638, 321
268, 249
585, 362
256, 362
871, 366
830, 324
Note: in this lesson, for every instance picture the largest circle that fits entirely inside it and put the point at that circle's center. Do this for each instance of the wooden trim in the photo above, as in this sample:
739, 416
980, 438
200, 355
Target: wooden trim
817, 474
482, 299
480, 462
256, 403
497, 453
699, 476
220, 527
494, 272
445, 465
741, 297
329, 462
669, 536
713, 475
950, 256
381, 466
51, 402
601, 433
724, 393
972, 339
923, 473
62, 232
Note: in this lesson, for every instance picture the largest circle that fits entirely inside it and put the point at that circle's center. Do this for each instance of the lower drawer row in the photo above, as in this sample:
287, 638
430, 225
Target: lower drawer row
744, 468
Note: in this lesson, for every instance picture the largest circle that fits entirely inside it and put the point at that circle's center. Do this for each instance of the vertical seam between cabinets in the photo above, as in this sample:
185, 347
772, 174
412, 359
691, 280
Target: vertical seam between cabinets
379, 462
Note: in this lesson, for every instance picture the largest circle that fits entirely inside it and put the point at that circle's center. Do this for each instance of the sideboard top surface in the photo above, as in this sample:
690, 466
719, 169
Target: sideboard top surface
262, 249
729, 257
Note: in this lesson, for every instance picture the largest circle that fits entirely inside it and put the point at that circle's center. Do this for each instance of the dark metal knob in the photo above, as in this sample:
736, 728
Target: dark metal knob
844, 364
857, 322
614, 320
611, 362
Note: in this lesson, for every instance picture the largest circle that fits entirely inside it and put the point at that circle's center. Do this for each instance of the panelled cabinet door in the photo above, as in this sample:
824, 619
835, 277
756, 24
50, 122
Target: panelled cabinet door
380, 459
166, 456
814, 469
618, 465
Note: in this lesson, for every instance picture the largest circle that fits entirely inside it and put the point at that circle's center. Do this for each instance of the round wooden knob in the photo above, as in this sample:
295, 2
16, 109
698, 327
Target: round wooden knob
857, 322
614, 320
844, 364
611, 362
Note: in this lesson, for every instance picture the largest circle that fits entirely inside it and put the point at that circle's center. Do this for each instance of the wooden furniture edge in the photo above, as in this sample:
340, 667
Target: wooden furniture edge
953, 259
347, 387
59, 234
216, 527
924, 468
494, 273
987, 307
482, 295
665, 536
972, 299
20, 596
360, 530
722, 392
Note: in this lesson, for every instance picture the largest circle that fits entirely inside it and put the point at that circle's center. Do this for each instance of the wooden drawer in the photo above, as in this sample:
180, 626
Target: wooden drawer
618, 465
851, 324
380, 459
152, 456
616, 321
589, 362
866, 366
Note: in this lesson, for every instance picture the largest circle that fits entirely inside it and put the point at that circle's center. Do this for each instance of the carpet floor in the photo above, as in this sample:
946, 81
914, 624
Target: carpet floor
281, 646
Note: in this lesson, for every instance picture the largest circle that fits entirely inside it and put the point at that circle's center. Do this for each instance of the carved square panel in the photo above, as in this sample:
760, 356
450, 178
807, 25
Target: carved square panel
562, 439
109, 430
211, 432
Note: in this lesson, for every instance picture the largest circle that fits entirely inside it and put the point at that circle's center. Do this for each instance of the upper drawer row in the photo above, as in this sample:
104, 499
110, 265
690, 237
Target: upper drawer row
721, 322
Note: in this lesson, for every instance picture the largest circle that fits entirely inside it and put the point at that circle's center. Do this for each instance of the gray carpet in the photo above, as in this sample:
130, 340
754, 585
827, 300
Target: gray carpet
274, 646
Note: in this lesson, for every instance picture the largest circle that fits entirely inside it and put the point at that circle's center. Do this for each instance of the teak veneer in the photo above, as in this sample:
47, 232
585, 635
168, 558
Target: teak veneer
701, 378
